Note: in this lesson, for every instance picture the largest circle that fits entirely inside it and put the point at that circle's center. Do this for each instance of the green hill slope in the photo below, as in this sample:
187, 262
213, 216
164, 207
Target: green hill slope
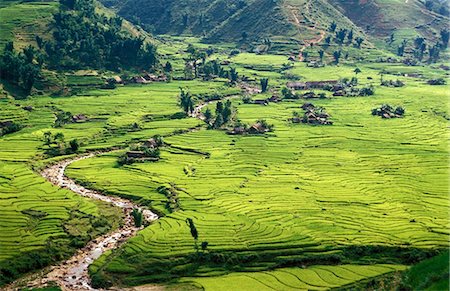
239, 20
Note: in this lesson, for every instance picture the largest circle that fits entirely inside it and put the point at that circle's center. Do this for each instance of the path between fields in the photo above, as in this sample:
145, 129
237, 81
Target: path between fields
297, 23
72, 274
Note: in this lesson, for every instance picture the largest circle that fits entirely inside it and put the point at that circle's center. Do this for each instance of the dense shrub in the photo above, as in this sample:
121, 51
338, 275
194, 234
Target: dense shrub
439, 81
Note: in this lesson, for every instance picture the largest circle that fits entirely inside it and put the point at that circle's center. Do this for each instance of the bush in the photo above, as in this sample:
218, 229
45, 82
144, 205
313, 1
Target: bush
439, 81
9, 127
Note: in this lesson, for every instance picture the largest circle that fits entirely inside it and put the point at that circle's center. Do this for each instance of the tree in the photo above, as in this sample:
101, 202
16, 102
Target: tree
219, 108
357, 71
287, 93
74, 145
168, 67
233, 76
419, 41
218, 122
321, 55
340, 35
47, 138
264, 84
159, 140
186, 101
226, 112
434, 53
333, 27
194, 232
59, 137
204, 245
350, 36
138, 217
445, 35
337, 56
401, 48
359, 41
208, 115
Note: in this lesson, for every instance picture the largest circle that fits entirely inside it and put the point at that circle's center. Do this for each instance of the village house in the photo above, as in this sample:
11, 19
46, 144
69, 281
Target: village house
138, 80
274, 99
115, 80
261, 102
135, 154
79, 118
151, 143
311, 85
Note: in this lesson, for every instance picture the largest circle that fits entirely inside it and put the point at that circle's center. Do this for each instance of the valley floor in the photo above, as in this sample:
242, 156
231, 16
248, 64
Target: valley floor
302, 207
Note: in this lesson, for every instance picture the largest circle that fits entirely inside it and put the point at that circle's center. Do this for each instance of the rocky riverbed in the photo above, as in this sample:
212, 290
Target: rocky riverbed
73, 273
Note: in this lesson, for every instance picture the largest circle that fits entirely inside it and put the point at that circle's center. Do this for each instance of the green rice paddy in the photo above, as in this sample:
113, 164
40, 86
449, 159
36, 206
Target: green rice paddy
304, 196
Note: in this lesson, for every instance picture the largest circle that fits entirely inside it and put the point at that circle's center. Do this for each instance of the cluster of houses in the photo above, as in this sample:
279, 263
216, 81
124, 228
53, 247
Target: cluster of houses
142, 153
265, 102
313, 115
144, 79
257, 128
387, 112
334, 86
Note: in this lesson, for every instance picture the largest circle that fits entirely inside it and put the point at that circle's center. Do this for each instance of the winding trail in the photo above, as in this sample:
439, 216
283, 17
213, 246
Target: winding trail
72, 274
297, 23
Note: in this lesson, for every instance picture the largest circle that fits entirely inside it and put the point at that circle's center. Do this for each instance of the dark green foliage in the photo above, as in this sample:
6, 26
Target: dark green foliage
224, 114
366, 91
62, 118
186, 101
74, 145
387, 111
138, 217
434, 53
19, 68
430, 274
9, 127
204, 245
171, 194
208, 115
333, 27
445, 35
288, 94
337, 56
233, 75
359, 41
212, 69
193, 229
401, 48
168, 67
439, 81
340, 35
85, 39
392, 83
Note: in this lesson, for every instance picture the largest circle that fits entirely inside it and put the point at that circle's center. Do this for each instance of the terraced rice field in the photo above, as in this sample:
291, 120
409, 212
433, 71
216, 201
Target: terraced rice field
300, 193
313, 278
35, 213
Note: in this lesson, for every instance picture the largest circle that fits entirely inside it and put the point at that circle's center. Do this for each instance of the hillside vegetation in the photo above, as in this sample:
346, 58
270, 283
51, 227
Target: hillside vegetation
252, 20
